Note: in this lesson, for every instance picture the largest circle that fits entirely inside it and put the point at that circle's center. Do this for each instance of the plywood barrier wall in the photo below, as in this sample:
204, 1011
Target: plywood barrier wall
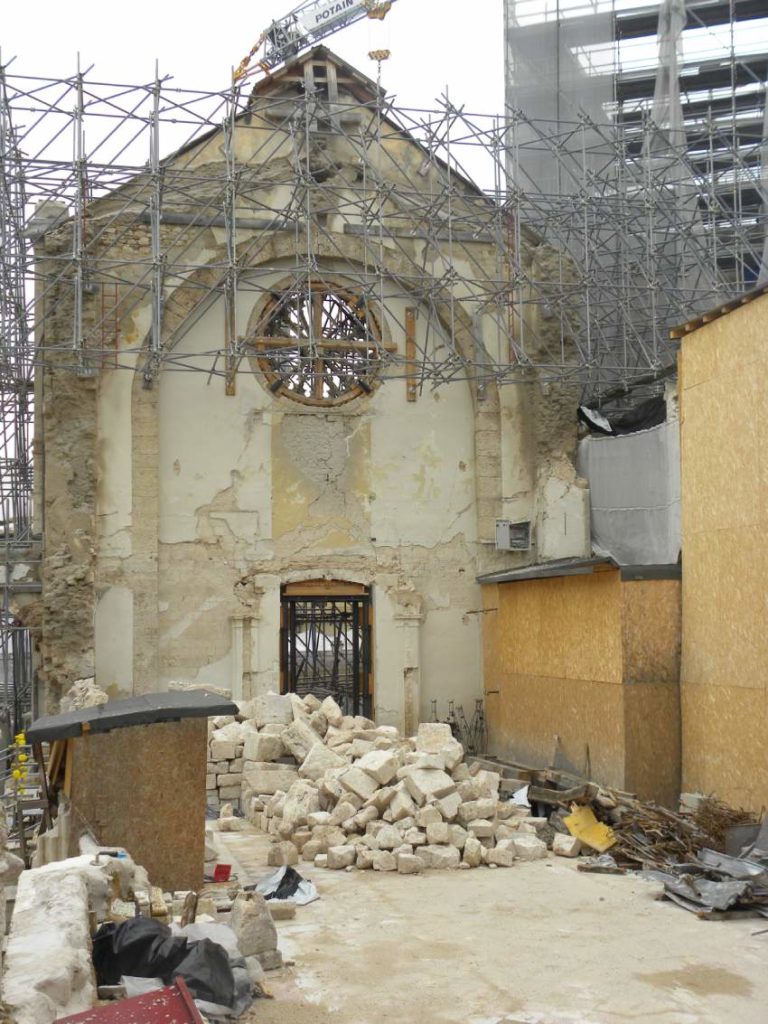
724, 439
553, 673
143, 788
651, 626
582, 672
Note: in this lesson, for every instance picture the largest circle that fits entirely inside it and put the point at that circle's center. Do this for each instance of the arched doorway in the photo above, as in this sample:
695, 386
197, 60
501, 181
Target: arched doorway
325, 643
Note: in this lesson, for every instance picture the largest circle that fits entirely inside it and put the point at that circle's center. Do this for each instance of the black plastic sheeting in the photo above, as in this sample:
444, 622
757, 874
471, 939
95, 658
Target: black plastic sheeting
119, 714
643, 416
286, 884
286, 887
144, 948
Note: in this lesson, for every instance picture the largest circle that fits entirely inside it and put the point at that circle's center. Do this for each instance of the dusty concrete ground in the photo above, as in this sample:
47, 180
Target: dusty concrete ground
537, 943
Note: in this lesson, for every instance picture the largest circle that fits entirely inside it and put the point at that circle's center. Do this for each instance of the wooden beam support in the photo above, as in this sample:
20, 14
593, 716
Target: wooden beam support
411, 381
324, 588
342, 345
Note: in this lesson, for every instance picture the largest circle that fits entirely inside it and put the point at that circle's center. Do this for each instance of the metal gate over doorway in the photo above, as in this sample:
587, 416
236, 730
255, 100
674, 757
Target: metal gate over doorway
325, 643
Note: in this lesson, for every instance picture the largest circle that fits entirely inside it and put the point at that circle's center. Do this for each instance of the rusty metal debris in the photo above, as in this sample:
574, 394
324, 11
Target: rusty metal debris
715, 818
683, 850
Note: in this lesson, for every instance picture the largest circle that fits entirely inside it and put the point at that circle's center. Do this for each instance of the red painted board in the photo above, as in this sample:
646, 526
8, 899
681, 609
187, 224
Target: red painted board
172, 1005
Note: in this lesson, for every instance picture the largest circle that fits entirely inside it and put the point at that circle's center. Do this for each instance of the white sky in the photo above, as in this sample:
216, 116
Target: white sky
434, 43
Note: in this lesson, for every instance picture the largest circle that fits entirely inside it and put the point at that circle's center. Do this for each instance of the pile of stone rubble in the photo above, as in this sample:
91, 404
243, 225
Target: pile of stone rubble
341, 792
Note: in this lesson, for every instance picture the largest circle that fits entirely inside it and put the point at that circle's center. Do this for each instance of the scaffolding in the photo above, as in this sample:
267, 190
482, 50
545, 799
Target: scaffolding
648, 236
587, 275
16, 429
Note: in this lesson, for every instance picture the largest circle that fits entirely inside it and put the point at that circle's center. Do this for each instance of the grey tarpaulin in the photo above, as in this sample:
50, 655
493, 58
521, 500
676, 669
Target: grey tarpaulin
634, 488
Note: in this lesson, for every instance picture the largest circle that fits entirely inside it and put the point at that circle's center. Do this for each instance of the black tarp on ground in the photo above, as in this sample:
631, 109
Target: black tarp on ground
144, 948
119, 714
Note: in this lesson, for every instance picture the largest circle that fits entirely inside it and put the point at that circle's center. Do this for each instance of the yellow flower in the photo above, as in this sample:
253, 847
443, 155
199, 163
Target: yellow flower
23, 758
16, 773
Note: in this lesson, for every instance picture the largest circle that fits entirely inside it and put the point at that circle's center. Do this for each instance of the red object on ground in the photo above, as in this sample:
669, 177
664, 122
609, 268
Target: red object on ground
172, 1005
222, 872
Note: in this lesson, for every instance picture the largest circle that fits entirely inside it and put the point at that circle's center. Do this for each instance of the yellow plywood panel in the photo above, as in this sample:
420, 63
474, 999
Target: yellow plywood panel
698, 362
725, 634
542, 639
583, 824
739, 336
761, 417
652, 741
735, 339
567, 627
721, 452
539, 719
724, 743
651, 630
724, 434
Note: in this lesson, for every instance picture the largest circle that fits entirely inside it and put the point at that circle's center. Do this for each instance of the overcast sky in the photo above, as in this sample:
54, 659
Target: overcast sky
434, 43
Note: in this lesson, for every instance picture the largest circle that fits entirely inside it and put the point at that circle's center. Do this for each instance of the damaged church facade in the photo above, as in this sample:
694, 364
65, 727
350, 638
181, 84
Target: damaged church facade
268, 465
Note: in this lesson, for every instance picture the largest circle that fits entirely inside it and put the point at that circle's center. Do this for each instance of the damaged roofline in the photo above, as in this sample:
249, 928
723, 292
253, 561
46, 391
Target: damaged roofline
583, 567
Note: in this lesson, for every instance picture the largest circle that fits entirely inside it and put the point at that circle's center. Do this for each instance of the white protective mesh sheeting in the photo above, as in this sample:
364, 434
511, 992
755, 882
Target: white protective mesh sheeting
763, 275
634, 486
549, 79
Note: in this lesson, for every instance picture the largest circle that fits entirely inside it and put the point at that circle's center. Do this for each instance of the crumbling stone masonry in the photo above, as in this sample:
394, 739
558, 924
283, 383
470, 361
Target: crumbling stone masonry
179, 499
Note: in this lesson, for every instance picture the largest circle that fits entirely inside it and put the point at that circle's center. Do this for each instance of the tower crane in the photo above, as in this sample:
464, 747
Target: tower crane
305, 26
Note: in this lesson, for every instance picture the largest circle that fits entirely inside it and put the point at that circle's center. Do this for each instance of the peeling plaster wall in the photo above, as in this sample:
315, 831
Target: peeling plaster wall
379, 491
174, 514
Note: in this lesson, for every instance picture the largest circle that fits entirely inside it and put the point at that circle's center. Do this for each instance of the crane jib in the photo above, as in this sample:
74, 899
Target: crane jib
326, 13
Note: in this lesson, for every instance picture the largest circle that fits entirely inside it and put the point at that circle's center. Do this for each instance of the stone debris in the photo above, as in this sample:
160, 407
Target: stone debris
340, 792
252, 923
566, 846
227, 739
84, 693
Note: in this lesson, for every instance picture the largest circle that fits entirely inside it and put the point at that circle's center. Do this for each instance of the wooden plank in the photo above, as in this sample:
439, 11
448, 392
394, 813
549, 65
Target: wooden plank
576, 794
370, 652
507, 769
56, 760
411, 379
37, 750
510, 786
342, 345
68, 769
324, 588
488, 764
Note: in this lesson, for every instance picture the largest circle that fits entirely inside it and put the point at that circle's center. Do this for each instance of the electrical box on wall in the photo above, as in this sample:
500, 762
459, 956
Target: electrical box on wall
513, 536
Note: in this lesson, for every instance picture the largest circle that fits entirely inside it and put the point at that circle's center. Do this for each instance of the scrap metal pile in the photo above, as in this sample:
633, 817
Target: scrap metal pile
684, 850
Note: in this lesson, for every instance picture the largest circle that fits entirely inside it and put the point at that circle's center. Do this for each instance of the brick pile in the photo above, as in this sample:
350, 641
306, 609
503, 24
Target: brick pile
341, 792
